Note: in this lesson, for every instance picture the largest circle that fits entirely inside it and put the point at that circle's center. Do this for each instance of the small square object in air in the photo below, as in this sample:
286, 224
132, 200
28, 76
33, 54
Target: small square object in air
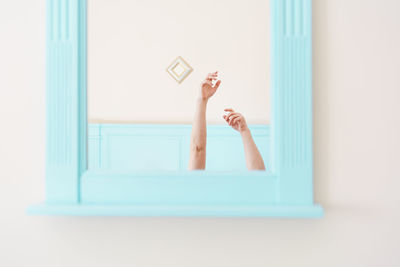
179, 69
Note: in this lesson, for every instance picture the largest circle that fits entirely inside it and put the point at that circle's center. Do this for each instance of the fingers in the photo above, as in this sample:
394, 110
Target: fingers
226, 119
213, 73
236, 120
217, 84
206, 81
232, 114
232, 118
212, 76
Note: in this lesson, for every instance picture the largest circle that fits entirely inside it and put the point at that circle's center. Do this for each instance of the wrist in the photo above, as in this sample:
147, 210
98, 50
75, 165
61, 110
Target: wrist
245, 131
202, 100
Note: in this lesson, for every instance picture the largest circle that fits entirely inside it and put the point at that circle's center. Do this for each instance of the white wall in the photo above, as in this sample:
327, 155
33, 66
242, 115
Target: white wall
357, 144
131, 44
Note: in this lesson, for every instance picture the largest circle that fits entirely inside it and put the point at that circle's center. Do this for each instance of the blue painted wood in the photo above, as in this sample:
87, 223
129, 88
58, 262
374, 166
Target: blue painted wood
178, 187
139, 147
94, 146
285, 191
279, 211
292, 100
66, 102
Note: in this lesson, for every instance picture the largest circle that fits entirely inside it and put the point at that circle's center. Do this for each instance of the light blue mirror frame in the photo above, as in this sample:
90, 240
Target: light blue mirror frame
284, 191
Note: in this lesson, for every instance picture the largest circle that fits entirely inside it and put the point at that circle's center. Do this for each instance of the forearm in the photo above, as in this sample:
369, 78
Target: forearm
198, 138
254, 160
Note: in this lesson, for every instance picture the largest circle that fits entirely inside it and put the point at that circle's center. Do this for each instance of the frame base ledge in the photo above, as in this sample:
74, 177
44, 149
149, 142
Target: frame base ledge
299, 211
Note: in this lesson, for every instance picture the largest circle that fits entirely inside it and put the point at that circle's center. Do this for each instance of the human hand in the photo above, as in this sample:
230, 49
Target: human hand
236, 120
207, 88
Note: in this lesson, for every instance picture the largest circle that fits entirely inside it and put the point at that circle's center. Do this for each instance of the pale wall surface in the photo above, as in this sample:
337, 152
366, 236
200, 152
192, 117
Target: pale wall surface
357, 144
131, 44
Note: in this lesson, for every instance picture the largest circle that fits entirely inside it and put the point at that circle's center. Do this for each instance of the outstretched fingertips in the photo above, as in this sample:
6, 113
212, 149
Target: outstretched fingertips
217, 84
236, 120
226, 119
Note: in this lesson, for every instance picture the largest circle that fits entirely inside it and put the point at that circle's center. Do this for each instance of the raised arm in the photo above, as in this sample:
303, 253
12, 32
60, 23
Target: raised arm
198, 138
254, 160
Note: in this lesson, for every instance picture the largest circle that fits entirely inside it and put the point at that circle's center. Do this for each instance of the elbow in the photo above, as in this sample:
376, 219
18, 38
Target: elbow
197, 157
196, 148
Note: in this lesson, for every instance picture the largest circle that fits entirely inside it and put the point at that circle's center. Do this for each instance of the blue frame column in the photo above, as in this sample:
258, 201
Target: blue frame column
292, 100
66, 100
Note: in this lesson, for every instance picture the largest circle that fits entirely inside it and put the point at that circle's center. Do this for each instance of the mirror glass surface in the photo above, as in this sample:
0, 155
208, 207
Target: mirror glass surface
140, 116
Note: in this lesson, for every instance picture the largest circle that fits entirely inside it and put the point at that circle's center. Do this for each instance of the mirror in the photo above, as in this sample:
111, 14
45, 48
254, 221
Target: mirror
148, 65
